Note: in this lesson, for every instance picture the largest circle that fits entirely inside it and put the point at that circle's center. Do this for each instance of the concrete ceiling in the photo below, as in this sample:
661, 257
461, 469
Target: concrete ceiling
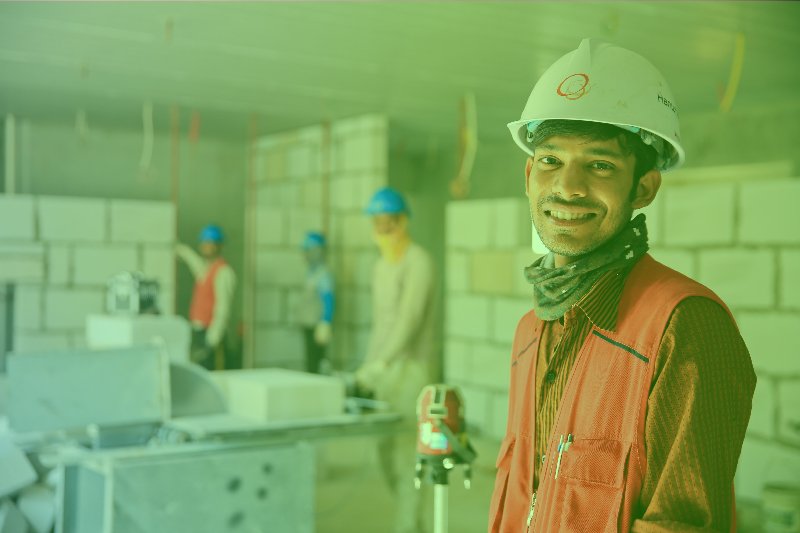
297, 63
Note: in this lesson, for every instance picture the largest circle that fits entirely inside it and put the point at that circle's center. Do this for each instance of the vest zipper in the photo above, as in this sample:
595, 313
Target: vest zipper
533, 509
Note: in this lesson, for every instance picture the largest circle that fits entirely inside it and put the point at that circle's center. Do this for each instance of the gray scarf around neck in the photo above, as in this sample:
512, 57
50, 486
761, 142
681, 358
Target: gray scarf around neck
556, 290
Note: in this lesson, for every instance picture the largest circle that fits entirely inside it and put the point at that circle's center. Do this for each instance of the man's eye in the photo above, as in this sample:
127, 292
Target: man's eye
547, 160
600, 165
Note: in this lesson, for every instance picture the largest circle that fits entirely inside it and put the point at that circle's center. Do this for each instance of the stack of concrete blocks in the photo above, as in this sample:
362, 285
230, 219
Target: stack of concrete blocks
488, 246
737, 230
17, 473
59, 252
291, 200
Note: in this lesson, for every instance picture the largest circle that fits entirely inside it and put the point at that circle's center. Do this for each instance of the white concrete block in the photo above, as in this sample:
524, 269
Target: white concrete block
268, 195
345, 192
270, 306
506, 313
355, 230
457, 361
27, 307
21, 269
769, 213
166, 299
40, 341
300, 161
762, 416
73, 219
171, 332
742, 278
17, 220
468, 317
469, 224
284, 267
271, 395
512, 223
789, 420
477, 406
271, 226
11, 519
142, 221
59, 264
95, 265
498, 419
790, 279
159, 262
68, 308
360, 151
458, 272
653, 214
763, 462
699, 214
681, 260
277, 345
38, 504
301, 221
490, 365
773, 340
17, 470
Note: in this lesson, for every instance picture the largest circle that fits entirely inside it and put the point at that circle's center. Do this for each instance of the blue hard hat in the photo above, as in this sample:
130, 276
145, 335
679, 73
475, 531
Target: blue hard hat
313, 239
212, 233
387, 201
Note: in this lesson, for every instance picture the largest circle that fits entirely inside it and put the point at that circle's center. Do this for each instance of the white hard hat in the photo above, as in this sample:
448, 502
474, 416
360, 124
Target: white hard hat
602, 82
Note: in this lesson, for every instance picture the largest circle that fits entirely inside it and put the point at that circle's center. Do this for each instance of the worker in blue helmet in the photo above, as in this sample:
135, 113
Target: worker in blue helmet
401, 353
316, 304
210, 310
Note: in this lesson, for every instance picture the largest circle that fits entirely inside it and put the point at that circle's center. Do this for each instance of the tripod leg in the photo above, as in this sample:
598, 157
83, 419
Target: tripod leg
440, 508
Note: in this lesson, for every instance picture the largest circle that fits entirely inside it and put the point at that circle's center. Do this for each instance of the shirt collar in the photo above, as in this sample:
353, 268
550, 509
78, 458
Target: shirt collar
601, 303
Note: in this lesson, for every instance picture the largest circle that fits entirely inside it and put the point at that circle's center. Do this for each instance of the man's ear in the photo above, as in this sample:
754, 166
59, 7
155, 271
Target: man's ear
528, 167
646, 190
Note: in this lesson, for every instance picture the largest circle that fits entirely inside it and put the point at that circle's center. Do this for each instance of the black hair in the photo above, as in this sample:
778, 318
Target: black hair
630, 143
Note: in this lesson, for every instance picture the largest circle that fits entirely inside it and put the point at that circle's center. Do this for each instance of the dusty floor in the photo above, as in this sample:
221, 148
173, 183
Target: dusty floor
352, 496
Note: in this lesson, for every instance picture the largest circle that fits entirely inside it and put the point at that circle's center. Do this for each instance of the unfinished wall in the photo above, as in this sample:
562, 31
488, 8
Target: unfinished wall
104, 163
60, 252
291, 198
735, 229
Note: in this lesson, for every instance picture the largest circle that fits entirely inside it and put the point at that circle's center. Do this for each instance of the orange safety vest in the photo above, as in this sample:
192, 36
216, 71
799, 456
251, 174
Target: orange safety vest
202, 309
603, 410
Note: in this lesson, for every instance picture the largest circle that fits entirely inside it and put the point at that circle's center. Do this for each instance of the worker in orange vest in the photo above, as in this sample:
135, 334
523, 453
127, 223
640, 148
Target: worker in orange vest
630, 385
210, 310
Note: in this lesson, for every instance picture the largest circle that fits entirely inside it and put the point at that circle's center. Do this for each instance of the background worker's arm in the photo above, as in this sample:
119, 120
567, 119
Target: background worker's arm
417, 293
224, 286
196, 264
697, 415
323, 330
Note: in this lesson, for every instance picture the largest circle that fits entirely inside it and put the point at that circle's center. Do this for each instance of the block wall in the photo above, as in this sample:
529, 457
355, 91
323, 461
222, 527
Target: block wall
291, 199
59, 252
734, 229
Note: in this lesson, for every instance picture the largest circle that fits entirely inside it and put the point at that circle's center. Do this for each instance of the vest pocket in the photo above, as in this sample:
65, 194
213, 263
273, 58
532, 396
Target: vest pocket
503, 465
594, 477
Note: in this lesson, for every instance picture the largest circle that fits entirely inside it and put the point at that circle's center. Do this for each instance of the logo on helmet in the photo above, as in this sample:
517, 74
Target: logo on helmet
573, 86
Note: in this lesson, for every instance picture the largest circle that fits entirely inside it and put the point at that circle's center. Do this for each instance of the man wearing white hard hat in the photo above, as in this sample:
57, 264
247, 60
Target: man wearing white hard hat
630, 387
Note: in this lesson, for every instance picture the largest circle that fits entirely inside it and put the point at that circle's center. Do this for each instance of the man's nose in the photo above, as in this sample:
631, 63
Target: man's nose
570, 182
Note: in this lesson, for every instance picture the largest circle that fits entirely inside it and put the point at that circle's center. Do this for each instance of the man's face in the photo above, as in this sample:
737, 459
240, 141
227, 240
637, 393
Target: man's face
579, 193
209, 249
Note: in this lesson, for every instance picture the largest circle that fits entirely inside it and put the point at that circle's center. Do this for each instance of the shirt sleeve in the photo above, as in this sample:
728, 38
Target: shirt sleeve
417, 292
224, 287
697, 414
325, 291
196, 264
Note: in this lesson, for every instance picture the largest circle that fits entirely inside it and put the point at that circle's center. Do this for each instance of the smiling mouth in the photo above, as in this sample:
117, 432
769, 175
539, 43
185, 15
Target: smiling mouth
567, 216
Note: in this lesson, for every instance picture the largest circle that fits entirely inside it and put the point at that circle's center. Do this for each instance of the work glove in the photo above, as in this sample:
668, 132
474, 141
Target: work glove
323, 333
369, 373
